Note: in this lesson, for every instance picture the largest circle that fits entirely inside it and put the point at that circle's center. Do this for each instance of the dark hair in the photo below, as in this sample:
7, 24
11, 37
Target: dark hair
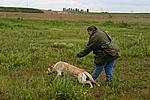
92, 28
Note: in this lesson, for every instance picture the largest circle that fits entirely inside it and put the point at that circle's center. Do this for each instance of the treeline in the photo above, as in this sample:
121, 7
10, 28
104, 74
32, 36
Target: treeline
16, 9
75, 10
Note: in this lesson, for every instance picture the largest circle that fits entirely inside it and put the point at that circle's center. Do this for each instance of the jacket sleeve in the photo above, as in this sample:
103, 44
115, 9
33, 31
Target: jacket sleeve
90, 46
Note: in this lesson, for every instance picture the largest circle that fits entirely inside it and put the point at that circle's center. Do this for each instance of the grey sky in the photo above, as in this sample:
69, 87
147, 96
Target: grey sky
94, 5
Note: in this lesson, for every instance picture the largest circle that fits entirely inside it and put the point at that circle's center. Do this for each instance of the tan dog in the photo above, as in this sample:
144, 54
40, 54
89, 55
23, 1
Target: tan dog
83, 76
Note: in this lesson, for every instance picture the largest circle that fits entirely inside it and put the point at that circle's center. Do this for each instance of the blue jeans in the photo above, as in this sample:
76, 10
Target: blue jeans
108, 70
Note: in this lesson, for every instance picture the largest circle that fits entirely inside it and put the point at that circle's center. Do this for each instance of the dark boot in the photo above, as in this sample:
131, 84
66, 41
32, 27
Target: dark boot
109, 82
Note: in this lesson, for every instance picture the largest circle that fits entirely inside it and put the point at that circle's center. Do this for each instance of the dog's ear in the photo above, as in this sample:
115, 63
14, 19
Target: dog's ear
50, 69
50, 65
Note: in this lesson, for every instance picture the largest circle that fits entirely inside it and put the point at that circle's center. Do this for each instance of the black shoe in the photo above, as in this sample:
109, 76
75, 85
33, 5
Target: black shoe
109, 82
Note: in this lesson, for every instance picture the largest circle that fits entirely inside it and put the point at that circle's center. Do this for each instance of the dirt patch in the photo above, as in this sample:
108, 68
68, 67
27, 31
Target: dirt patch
59, 15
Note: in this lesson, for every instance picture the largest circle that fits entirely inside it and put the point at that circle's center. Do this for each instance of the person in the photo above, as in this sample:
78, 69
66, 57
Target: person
106, 52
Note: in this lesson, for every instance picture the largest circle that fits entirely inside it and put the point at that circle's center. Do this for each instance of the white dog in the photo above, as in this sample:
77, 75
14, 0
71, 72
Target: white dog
83, 76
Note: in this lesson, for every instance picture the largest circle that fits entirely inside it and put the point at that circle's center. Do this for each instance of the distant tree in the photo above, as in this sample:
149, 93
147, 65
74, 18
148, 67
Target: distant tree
64, 9
81, 10
87, 10
49, 9
74, 10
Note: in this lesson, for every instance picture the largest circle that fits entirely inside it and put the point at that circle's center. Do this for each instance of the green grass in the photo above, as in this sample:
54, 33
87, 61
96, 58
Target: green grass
27, 47
19, 9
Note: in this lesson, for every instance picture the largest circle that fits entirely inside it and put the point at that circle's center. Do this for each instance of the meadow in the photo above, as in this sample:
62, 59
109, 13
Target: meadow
28, 46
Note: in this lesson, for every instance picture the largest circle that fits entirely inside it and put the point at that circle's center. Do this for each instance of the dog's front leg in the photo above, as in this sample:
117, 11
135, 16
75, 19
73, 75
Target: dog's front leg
56, 77
59, 73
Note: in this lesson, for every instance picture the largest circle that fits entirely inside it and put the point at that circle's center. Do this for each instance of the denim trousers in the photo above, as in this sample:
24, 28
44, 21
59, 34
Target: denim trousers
108, 70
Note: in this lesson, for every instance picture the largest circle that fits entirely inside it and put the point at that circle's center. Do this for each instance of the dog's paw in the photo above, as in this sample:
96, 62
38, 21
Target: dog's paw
91, 87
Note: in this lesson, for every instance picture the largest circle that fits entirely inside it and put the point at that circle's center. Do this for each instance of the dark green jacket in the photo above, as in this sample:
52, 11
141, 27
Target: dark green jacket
102, 47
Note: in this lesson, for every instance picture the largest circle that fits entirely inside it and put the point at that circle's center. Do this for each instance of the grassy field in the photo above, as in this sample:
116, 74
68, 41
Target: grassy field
27, 46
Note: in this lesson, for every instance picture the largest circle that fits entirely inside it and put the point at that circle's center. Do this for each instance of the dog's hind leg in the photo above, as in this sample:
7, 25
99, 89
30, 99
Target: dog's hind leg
95, 83
82, 79
90, 78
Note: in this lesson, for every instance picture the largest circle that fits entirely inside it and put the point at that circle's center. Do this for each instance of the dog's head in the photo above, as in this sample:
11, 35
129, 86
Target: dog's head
50, 69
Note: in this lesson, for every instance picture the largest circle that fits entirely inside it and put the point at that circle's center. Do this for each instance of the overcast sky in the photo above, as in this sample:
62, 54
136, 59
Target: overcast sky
94, 5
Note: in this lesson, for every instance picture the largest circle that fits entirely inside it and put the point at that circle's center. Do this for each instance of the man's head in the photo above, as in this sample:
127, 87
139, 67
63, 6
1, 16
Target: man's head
91, 29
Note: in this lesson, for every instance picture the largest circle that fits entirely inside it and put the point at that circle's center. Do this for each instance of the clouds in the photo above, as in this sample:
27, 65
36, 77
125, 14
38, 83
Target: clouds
132, 5
13, 3
121, 5
93, 5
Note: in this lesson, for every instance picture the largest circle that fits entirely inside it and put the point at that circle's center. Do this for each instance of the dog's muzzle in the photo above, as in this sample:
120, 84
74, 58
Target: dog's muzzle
48, 72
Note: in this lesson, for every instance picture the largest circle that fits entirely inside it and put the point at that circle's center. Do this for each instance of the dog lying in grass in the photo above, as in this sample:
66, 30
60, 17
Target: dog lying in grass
83, 76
